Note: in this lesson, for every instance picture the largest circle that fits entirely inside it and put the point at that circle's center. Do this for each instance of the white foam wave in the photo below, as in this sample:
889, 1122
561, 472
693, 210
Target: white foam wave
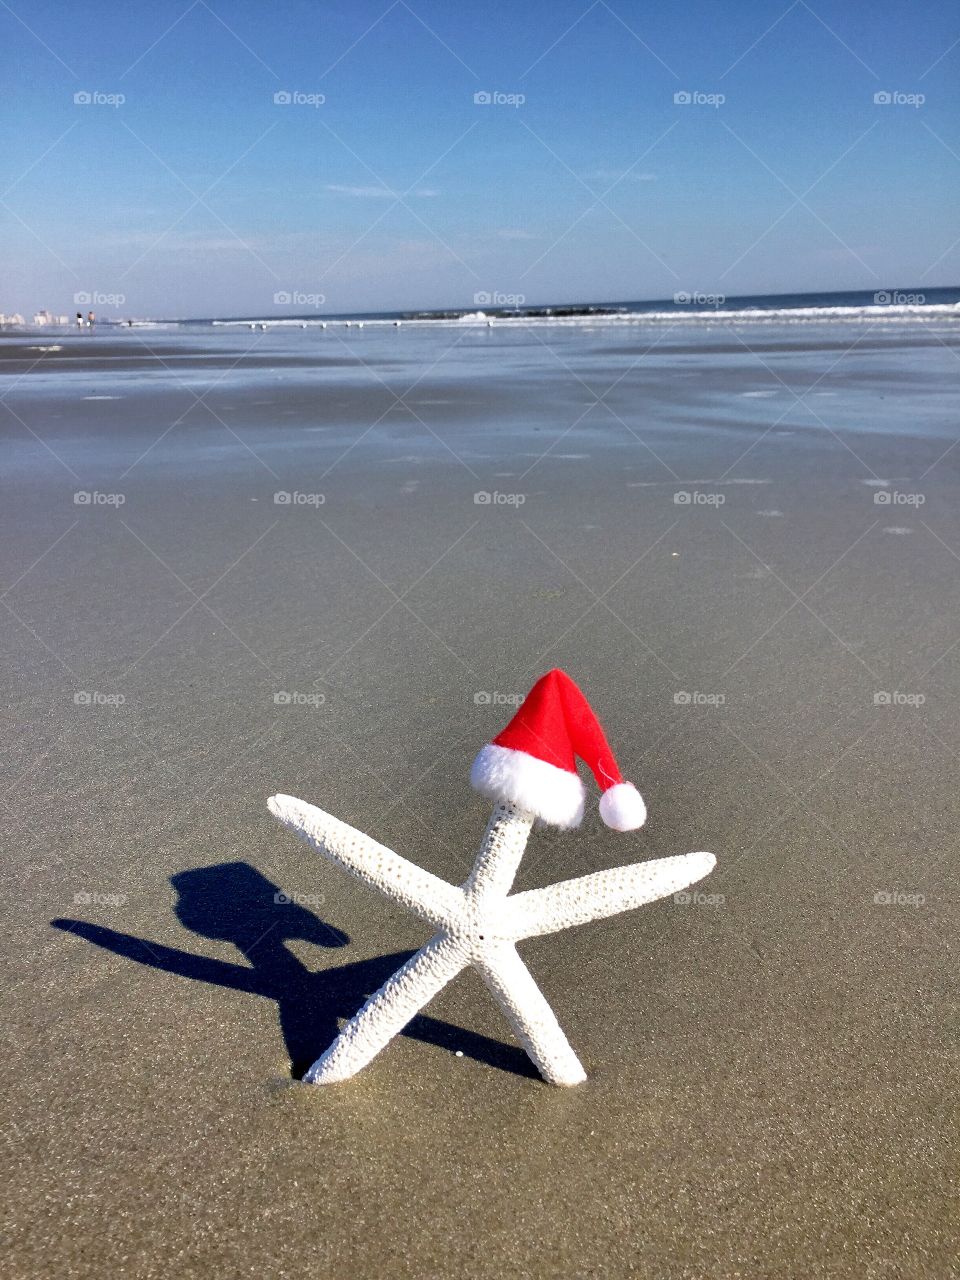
880, 313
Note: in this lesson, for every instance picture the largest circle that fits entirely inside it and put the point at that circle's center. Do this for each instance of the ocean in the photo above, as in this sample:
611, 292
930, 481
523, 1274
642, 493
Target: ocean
889, 305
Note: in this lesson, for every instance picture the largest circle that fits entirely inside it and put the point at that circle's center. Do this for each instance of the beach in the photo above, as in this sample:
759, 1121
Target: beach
329, 563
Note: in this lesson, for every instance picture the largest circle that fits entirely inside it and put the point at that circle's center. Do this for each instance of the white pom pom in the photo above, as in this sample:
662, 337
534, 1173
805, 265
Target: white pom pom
622, 807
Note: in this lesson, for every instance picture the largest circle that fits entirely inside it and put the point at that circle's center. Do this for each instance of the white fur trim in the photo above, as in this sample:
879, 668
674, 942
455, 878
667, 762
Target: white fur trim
554, 795
622, 807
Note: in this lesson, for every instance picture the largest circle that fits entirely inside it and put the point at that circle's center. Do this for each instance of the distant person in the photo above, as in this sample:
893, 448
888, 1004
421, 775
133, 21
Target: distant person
91, 319
79, 320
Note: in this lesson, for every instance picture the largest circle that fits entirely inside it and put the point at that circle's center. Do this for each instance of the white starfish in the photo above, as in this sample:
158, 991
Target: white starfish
477, 923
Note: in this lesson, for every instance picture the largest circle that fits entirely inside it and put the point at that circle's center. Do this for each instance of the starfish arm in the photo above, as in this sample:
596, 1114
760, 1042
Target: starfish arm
500, 852
605, 893
421, 892
533, 1021
389, 1010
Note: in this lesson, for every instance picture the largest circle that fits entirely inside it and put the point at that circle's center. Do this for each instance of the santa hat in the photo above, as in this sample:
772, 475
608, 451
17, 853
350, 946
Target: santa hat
531, 763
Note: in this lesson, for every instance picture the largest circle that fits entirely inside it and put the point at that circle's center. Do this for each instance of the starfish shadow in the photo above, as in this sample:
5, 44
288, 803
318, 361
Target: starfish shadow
233, 902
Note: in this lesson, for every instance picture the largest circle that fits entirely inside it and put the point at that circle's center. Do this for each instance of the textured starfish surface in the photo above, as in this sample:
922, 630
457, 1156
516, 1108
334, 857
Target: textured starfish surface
478, 923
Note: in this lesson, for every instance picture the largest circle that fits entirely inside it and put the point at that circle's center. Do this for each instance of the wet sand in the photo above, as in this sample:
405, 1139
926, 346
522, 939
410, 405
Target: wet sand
772, 1068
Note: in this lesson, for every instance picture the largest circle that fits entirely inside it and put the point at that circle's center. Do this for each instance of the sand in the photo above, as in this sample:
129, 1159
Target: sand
772, 1070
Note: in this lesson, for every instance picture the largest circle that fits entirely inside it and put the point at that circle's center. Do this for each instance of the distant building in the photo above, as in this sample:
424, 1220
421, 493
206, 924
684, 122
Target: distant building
16, 319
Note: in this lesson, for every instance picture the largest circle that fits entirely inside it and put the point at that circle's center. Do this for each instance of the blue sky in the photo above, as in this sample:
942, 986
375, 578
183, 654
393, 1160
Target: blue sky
199, 194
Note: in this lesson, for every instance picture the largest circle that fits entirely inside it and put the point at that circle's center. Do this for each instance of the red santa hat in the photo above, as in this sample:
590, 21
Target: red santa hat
531, 763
